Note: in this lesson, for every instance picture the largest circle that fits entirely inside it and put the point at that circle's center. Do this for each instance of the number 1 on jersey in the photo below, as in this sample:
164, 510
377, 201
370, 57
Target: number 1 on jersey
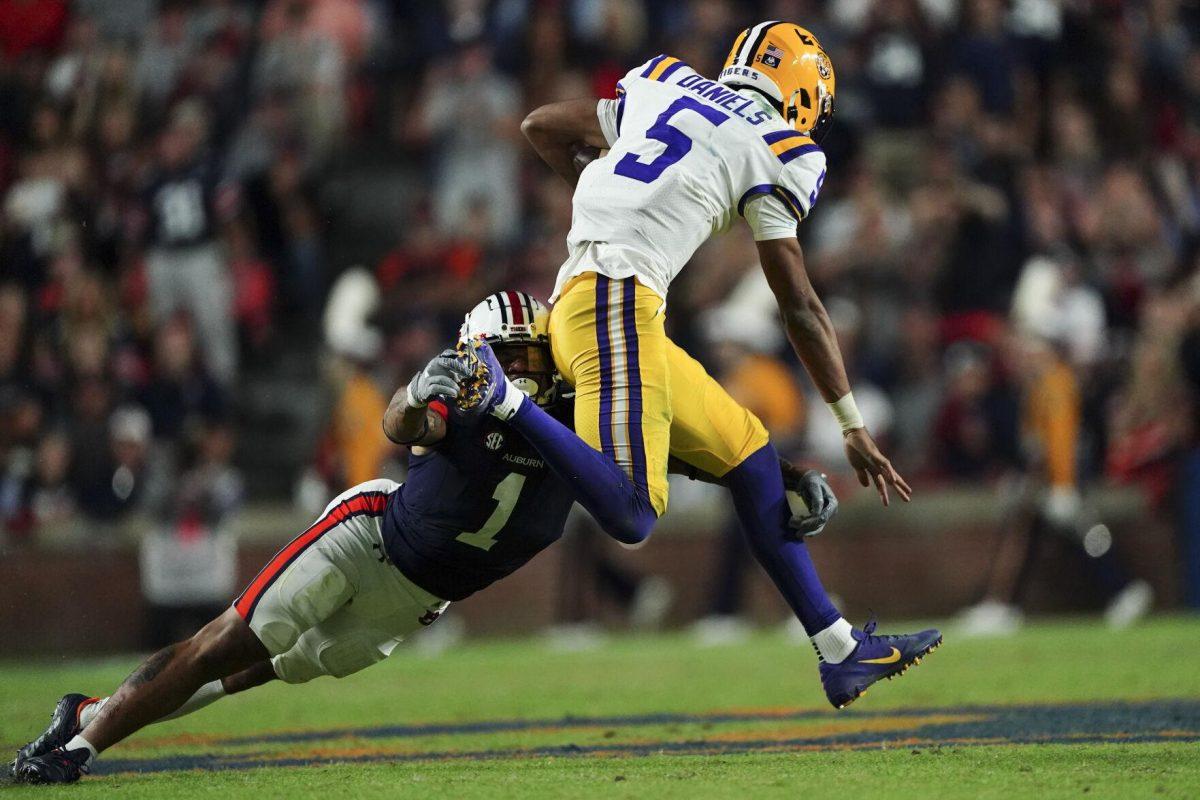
506, 494
678, 143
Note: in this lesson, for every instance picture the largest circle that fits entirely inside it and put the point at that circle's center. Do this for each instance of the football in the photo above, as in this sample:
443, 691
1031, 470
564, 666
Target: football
583, 154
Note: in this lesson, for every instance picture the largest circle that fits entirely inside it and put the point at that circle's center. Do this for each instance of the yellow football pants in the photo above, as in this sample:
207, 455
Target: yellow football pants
638, 395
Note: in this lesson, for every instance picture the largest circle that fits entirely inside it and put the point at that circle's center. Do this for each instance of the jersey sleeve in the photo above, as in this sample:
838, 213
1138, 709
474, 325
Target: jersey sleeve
769, 218
801, 180
660, 68
609, 114
774, 204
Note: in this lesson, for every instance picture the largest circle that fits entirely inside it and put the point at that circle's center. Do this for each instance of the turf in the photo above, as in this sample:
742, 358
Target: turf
1064, 709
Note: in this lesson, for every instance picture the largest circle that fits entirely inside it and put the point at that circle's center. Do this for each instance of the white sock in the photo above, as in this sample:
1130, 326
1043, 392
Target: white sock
206, 694
89, 712
835, 644
79, 742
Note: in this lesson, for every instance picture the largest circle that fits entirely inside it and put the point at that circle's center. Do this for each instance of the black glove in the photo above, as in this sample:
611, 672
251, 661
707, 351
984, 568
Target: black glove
817, 496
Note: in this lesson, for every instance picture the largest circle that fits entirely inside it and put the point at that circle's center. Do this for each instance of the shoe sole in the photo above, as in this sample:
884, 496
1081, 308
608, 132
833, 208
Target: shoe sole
903, 668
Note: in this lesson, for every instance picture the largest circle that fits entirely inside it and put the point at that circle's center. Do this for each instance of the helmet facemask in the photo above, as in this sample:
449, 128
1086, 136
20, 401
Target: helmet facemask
800, 103
529, 365
514, 325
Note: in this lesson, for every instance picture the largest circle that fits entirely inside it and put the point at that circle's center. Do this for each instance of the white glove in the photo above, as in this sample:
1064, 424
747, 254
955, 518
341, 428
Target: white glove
440, 378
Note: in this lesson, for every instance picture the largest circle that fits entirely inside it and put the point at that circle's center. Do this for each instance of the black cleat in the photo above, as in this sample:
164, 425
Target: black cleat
64, 725
57, 766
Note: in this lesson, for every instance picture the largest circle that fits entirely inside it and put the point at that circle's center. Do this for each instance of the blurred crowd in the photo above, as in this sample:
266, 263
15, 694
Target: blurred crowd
1007, 241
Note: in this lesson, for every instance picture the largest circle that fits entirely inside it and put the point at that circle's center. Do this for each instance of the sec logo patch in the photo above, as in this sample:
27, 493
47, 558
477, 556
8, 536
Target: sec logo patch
494, 441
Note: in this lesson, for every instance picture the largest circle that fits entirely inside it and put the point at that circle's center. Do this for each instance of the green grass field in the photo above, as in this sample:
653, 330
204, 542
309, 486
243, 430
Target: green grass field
1066, 709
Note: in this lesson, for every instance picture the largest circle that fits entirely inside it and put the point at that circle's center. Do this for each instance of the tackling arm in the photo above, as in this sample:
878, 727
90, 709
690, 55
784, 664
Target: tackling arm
557, 131
812, 336
409, 425
409, 418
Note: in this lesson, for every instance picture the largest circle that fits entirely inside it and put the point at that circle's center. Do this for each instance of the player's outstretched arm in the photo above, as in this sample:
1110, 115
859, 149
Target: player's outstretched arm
558, 131
812, 336
408, 419
623, 509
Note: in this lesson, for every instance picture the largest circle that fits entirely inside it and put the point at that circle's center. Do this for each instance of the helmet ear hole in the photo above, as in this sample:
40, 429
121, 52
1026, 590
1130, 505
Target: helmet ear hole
805, 99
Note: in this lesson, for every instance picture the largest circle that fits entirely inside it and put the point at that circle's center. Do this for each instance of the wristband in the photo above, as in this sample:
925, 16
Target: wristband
513, 398
408, 394
846, 413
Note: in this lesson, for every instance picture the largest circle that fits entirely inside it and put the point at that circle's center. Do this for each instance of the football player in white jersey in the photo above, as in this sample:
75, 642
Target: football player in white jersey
685, 157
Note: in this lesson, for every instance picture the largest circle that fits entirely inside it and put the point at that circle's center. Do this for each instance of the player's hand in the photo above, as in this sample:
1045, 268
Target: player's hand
818, 498
872, 467
582, 155
440, 378
500, 397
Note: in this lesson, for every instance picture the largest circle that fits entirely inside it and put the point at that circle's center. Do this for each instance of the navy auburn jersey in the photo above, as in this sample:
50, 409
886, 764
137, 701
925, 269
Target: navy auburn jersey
181, 204
475, 507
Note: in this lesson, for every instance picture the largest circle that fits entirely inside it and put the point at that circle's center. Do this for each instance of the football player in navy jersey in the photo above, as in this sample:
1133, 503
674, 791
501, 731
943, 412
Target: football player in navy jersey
486, 491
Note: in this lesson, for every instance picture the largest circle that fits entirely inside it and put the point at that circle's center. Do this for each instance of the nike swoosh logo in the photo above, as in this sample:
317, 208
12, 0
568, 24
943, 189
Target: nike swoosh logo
892, 659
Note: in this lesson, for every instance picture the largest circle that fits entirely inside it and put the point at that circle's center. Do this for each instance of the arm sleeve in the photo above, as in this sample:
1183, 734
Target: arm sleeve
623, 509
608, 112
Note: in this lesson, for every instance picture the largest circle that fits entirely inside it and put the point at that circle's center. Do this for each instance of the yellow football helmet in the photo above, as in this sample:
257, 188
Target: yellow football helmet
788, 64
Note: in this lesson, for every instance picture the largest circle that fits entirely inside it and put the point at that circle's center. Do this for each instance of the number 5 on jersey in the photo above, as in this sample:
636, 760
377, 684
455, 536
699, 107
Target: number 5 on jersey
678, 143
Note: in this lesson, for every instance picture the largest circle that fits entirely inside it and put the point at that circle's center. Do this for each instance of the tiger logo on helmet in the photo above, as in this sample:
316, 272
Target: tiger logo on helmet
787, 64
517, 323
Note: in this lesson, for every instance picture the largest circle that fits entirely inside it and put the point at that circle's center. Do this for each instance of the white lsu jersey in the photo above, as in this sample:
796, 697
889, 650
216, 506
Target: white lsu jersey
686, 156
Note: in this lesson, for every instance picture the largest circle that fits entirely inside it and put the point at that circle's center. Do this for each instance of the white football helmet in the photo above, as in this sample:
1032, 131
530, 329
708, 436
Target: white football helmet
515, 319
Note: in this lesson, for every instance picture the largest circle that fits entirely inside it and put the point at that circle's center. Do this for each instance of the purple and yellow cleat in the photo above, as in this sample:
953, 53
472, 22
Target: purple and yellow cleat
875, 657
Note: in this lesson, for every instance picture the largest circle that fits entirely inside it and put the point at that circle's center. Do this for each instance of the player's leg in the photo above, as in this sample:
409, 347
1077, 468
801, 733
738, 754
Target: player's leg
254, 675
712, 432
249, 678
74, 712
158, 687
387, 609
608, 341
305, 583
172, 676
